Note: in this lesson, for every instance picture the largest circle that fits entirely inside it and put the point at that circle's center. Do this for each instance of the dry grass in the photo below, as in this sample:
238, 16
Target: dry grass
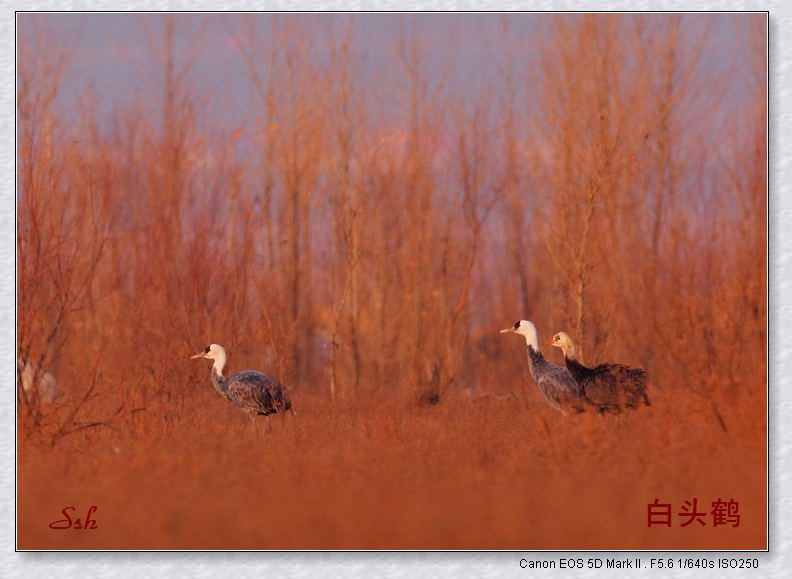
384, 474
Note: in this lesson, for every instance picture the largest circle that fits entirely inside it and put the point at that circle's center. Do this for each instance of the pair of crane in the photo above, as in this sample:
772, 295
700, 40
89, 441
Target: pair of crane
575, 387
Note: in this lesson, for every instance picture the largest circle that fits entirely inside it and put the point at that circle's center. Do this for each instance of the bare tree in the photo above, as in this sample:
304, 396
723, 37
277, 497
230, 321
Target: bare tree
59, 240
287, 86
585, 129
515, 198
423, 100
346, 109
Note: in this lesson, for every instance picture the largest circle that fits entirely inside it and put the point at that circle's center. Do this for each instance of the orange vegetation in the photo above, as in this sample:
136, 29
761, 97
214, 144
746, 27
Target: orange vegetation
363, 237
382, 474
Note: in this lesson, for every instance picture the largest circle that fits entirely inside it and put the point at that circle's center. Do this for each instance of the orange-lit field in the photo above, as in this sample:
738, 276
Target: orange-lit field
357, 204
464, 474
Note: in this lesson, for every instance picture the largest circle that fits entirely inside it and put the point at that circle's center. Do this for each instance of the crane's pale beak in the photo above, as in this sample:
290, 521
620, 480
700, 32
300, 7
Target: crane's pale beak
507, 330
198, 355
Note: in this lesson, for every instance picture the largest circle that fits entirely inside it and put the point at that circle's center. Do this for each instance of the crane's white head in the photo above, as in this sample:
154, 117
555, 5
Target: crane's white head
563, 341
214, 352
527, 330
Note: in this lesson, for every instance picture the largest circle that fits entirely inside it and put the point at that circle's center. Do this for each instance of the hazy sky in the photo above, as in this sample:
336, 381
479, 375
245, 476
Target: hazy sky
113, 52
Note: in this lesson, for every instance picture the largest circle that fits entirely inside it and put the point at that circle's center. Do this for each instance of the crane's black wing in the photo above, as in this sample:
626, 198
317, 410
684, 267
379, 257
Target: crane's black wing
599, 386
630, 384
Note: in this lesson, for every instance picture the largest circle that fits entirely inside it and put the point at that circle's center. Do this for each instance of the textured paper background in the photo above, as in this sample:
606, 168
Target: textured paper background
776, 563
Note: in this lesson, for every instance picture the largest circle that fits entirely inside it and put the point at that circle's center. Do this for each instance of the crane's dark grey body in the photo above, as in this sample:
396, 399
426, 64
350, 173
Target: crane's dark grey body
609, 387
555, 383
254, 392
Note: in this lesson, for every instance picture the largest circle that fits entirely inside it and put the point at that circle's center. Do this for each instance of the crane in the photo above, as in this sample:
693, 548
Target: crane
610, 387
252, 391
36, 384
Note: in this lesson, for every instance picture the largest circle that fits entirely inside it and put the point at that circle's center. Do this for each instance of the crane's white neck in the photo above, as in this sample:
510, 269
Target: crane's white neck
528, 331
219, 363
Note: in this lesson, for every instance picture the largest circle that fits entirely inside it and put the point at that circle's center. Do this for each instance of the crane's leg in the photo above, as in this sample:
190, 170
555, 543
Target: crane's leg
269, 424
